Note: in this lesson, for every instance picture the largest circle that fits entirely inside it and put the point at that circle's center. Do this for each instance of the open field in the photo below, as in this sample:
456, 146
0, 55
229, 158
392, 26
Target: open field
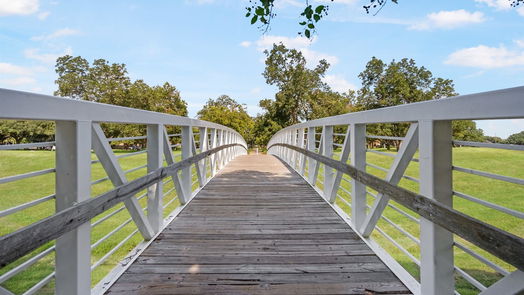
502, 162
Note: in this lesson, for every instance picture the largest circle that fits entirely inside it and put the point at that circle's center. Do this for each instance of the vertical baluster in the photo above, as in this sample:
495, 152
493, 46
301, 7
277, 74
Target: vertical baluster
358, 160
73, 185
187, 142
328, 152
155, 161
311, 145
436, 243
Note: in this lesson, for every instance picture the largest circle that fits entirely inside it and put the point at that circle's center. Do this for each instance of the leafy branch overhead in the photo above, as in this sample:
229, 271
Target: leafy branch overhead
261, 12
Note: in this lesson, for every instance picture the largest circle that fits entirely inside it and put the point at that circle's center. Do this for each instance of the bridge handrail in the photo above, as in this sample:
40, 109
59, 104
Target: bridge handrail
429, 134
15, 244
78, 133
500, 243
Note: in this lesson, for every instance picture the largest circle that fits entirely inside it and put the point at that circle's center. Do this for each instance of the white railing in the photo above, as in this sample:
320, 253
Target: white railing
429, 259
97, 252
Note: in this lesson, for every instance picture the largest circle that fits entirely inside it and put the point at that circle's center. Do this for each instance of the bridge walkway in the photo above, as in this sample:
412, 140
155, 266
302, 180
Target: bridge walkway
258, 228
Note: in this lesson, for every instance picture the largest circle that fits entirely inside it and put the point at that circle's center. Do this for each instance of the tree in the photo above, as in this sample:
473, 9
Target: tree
402, 82
517, 138
302, 95
493, 139
109, 83
226, 111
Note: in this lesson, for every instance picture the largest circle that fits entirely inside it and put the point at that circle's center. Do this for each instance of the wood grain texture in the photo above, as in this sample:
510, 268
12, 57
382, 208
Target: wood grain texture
258, 228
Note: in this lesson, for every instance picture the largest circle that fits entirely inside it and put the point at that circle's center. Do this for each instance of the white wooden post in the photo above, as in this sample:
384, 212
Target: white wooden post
311, 146
212, 161
302, 158
436, 243
358, 160
328, 152
203, 148
187, 141
220, 142
73, 185
154, 162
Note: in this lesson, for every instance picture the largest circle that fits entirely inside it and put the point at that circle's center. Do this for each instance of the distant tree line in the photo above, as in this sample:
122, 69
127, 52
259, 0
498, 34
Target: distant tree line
302, 95
98, 82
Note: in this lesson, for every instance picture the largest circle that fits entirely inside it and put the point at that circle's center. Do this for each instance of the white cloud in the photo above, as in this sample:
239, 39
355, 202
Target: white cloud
449, 20
338, 83
497, 4
43, 15
18, 7
11, 69
245, 43
299, 43
48, 58
255, 91
18, 81
486, 57
520, 43
56, 34
520, 10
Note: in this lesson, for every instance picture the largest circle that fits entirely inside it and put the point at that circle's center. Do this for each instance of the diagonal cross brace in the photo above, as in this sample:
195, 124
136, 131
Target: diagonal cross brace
343, 158
395, 173
170, 160
117, 176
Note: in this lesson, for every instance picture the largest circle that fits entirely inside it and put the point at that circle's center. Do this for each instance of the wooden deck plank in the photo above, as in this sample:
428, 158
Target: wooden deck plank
258, 228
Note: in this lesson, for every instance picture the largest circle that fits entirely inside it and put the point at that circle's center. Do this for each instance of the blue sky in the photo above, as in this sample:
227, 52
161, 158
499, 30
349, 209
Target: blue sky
207, 48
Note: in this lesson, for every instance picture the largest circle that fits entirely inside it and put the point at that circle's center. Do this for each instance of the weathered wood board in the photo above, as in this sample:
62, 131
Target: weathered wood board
258, 228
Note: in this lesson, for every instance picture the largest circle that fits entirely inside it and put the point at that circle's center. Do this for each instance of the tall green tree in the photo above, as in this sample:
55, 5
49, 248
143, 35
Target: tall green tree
109, 83
302, 95
228, 112
517, 138
402, 82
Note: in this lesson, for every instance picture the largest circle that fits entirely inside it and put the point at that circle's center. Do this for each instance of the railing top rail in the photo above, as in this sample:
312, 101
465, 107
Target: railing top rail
499, 104
20, 105
14, 245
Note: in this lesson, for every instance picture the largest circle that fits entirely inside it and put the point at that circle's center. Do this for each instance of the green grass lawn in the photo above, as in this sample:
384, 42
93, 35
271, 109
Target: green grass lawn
19, 192
503, 162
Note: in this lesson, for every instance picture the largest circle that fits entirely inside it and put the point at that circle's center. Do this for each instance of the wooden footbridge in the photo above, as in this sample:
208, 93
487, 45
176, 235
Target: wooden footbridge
201, 216
258, 228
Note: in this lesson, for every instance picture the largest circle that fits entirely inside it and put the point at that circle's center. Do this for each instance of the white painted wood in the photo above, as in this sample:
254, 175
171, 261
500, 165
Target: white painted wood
436, 249
329, 173
117, 176
357, 141
187, 142
512, 284
396, 171
200, 178
302, 144
311, 146
203, 147
155, 143
73, 185
317, 164
332, 196
168, 156
212, 159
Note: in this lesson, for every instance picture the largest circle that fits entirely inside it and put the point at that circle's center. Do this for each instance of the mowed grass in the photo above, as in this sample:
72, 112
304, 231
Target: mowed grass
23, 191
503, 162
